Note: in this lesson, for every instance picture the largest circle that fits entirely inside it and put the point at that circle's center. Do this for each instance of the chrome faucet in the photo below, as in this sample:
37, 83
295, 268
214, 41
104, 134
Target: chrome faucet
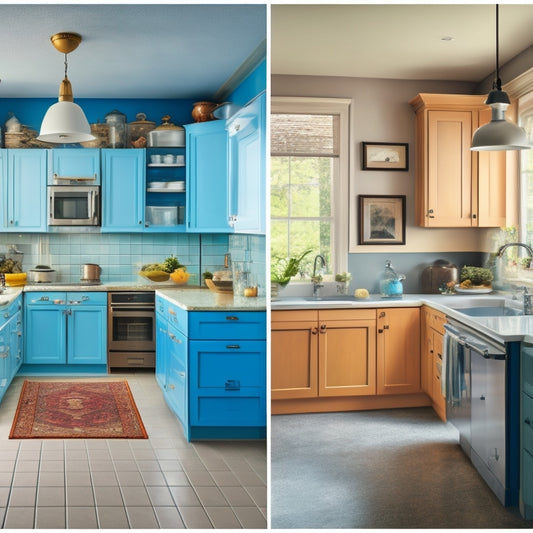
316, 284
527, 301
509, 244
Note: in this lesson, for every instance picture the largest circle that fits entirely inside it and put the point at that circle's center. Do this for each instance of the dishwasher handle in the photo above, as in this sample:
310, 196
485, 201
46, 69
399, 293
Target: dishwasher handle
455, 334
485, 350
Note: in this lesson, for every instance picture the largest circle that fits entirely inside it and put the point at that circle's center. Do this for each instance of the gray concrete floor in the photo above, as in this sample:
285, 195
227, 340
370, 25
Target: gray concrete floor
398, 468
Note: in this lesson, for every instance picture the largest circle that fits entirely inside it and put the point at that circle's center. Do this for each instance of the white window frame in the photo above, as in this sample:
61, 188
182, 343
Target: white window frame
340, 207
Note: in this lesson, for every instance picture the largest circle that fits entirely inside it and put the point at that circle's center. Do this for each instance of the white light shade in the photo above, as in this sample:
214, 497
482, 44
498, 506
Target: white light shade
65, 123
499, 134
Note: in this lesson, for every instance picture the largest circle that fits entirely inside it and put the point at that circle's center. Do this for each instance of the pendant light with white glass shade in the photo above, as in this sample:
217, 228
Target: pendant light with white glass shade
499, 133
65, 122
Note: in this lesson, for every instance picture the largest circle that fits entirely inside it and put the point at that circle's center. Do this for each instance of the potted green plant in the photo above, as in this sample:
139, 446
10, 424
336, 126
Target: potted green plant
282, 270
343, 281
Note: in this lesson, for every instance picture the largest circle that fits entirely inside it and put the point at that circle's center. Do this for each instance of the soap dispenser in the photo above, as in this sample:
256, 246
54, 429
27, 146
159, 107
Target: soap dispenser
390, 284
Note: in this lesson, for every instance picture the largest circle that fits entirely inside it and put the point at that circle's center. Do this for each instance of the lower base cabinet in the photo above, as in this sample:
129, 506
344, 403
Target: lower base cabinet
345, 359
10, 343
211, 366
65, 328
526, 432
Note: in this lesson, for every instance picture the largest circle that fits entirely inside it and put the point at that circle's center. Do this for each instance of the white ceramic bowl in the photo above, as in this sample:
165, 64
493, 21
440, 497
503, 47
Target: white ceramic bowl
176, 185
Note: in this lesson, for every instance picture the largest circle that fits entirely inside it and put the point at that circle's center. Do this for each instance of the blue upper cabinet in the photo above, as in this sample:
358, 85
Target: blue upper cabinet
207, 177
123, 190
74, 165
24, 194
247, 167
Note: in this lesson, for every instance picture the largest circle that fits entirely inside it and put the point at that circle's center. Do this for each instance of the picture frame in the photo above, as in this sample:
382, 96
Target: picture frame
382, 219
385, 156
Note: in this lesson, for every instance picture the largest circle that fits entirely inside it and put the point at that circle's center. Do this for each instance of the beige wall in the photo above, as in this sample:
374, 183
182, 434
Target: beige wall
380, 112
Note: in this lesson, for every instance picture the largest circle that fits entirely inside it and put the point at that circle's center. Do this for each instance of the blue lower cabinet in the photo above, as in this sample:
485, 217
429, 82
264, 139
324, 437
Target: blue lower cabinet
67, 329
213, 375
10, 343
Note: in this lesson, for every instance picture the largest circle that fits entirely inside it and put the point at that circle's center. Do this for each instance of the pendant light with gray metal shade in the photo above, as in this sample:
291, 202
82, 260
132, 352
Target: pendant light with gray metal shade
65, 121
499, 133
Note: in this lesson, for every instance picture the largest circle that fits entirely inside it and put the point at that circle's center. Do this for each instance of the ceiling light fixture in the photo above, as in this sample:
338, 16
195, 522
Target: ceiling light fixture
499, 133
65, 122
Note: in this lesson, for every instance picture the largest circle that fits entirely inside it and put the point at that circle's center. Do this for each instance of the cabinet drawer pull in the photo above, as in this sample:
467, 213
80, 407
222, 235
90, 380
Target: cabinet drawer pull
171, 386
314, 331
232, 317
171, 312
233, 347
232, 384
5, 354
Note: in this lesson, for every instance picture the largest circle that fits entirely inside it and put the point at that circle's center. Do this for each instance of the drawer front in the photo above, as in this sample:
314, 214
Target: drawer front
161, 306
177, 317
131, 360
246, 410
527, 423
228, 366
218, 325
45, 298
87, 298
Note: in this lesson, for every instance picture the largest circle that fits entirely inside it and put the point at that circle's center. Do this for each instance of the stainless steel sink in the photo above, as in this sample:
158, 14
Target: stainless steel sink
489, 307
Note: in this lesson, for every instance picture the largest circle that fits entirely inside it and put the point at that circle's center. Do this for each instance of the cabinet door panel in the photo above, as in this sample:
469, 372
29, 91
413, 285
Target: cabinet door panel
207, 177
347, 361
450, 168
75, 163
123, 184
87, 341
398, 351
294, 360
26, 209
45, 335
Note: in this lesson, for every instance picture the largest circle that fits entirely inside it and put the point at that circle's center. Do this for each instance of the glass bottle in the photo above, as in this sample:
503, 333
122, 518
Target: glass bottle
116, 122
390, 284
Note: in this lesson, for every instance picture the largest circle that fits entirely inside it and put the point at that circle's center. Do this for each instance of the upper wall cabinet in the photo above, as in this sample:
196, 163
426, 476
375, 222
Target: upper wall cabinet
74, 166
247, 167
207, 177
123, 190
456, 187
24, 190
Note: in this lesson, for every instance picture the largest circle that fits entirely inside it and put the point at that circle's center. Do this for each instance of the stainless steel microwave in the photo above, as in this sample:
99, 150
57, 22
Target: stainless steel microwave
73, 205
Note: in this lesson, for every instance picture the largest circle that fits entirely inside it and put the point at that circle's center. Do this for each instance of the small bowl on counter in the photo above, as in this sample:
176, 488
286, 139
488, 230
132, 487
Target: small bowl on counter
180, 276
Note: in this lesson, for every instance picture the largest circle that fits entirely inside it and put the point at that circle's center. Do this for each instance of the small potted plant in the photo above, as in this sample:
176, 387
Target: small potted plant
283, 270
343, 281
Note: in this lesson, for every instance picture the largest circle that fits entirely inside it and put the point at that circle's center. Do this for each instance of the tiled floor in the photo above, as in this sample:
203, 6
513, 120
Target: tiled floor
161, 482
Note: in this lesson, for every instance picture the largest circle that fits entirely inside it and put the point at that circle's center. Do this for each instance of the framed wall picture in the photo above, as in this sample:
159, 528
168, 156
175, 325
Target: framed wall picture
381, 219
385, 156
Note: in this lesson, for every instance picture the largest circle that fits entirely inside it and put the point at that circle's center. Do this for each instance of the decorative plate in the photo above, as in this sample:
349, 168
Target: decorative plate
481, 290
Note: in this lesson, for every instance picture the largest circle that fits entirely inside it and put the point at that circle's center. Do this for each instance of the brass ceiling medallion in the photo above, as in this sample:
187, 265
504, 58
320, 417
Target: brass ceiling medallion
65, 41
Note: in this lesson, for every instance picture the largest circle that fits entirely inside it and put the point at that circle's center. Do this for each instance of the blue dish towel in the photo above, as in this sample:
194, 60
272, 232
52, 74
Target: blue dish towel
453, 376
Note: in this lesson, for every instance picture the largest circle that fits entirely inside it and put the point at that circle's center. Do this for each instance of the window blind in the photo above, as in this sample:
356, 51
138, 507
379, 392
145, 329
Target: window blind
304, 135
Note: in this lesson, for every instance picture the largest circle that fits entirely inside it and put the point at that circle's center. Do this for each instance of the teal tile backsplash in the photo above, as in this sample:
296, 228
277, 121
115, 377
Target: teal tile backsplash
121, 256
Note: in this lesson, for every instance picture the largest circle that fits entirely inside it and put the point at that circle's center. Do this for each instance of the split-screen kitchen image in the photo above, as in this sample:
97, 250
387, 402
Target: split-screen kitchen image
266, 266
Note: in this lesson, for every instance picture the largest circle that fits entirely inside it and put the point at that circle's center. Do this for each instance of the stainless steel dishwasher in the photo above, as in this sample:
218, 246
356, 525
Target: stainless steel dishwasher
484, 364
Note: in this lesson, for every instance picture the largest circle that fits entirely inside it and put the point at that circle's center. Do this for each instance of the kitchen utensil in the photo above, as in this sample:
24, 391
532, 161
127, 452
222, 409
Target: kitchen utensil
437, 276
226, 110
42, 274
167, 134
203, 111
139, 128
117, 128
158, 215
90, 272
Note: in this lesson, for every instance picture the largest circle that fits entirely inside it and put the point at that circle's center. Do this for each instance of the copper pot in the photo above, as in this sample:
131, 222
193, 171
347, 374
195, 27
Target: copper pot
203, 111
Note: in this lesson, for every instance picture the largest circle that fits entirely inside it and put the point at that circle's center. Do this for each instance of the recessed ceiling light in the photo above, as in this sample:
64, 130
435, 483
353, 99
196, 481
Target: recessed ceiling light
447, 38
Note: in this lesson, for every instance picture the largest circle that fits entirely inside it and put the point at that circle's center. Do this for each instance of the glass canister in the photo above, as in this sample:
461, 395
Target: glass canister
139, 129
117, 129
244, 280
390, 285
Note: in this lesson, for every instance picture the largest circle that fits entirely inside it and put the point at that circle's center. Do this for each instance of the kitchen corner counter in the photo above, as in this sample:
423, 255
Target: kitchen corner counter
206, 300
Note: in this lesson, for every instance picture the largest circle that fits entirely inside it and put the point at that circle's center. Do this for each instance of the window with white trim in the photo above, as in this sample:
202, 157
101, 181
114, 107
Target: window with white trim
309, 180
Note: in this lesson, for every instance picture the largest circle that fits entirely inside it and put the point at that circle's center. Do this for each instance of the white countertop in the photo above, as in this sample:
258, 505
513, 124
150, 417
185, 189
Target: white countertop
506, 328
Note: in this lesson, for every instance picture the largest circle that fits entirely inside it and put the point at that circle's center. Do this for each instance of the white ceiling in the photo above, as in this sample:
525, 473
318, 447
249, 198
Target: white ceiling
397, 41
128, 50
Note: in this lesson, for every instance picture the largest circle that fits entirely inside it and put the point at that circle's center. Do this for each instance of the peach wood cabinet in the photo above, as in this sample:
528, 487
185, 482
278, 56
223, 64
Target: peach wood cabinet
431, 342
345, 359
456, 187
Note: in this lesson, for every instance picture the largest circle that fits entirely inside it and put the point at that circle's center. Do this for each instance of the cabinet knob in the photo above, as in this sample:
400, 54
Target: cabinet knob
323, 328
382, 314
314, 331
527, 421
171, 386
430, 213
474, 216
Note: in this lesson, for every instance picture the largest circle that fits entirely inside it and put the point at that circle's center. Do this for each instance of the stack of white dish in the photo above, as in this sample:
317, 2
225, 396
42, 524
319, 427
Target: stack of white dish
176, 185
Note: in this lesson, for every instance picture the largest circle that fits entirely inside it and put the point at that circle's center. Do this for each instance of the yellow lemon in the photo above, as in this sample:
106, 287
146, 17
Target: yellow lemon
180, 276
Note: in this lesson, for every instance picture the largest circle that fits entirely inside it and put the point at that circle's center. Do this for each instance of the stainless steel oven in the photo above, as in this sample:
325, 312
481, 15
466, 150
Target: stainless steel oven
73, 205
131, 329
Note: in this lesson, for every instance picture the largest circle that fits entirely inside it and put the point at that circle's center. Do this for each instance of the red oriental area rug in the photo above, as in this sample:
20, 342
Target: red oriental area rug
77, 410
